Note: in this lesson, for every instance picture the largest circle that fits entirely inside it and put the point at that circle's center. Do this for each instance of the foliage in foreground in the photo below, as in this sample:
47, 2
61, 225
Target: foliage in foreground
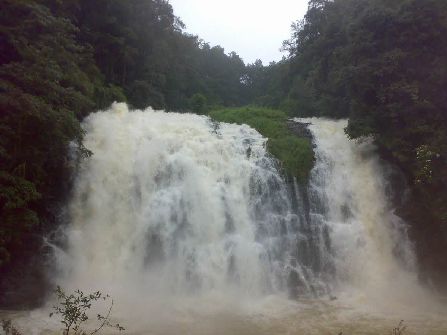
8, 328
400, 329
295, 153
73, 310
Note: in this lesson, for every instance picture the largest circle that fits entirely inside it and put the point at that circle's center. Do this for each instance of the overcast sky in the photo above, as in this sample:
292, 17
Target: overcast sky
252, 28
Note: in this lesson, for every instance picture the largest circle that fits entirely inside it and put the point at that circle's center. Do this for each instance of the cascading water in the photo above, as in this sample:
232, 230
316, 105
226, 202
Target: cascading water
174, 204
191, 227
363, 244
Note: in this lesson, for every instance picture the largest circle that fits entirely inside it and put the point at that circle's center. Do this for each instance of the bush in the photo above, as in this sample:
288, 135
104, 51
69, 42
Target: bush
198, 103
73, 310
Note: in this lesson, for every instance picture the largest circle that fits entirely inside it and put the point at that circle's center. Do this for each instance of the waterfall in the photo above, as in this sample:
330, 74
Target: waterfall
175, 204
191, 226
363, 246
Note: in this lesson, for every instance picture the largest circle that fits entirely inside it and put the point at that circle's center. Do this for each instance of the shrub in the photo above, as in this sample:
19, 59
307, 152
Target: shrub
73, 309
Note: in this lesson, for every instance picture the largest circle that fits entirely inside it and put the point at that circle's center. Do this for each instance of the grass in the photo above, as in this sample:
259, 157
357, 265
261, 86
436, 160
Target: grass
295, 153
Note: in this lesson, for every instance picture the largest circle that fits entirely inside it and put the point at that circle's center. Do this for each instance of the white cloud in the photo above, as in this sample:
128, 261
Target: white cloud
252, 28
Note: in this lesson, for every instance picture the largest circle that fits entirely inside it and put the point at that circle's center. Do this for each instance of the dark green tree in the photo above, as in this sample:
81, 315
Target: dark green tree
46, 85
198, 103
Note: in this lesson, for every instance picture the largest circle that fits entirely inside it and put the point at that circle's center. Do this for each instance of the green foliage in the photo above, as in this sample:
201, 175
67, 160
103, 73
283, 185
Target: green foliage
104, 95
266, 86
16, 195
140, 47
295, 153
73, 309
198, 103
44, 91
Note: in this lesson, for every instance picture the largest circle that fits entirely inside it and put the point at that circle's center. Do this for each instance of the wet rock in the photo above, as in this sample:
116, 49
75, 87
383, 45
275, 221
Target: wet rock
300, 129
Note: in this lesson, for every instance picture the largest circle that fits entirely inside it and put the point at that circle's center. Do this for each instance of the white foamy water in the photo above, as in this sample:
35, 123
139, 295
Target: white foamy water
367, 244
190, 226
173, 204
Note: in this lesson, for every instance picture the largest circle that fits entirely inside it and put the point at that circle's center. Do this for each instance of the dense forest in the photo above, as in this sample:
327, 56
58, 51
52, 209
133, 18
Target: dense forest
380, 63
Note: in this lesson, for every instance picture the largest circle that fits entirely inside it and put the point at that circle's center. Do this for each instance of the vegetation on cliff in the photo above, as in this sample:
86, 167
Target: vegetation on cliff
293, 152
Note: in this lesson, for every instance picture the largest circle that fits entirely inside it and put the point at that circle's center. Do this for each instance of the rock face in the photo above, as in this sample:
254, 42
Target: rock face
299, 129
24, 284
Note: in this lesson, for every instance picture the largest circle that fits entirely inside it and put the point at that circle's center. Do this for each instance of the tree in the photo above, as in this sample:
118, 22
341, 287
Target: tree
44, 91
198, 103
